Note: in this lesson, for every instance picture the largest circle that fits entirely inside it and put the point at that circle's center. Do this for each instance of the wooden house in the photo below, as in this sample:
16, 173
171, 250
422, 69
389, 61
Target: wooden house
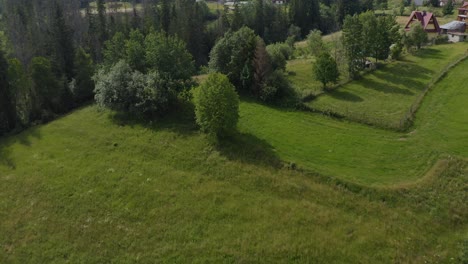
463, 12
455, 31
427, 20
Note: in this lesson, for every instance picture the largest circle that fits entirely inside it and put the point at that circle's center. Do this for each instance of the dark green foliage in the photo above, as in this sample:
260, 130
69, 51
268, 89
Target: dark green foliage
165, 16
233, 54
135, 50
315, 43
115, 49
448, 8
326, 69
261, 68
169, 56
62, 43
47, 87
7, 106
125, 90
216, 106
353, 44
279, 53
82, 87
305, 14
417, 36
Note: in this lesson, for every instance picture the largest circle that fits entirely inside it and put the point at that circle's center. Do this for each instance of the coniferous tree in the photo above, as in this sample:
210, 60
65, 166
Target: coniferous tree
259, 18
7, 106
165, 15
62, 43
305, 14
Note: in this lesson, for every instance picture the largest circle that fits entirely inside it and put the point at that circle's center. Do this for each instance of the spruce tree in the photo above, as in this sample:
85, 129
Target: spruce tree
7, 106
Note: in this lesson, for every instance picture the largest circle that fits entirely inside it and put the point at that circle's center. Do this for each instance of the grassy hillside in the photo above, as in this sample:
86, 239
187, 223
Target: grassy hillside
93, 187
88, 188
384, 96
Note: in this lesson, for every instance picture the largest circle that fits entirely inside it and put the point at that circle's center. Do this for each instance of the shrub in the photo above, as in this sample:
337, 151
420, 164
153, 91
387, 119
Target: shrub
139, 94
216, 106
279, 53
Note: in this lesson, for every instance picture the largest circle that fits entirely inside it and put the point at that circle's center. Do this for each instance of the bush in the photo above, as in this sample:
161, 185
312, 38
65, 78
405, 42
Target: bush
441, 39
279, 53
136, 93
216, 106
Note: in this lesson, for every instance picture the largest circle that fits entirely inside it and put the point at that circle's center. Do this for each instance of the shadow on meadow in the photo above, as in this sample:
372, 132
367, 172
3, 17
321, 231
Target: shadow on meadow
23, 138
345, 96
384, 87
398, 74
249, 149
241, 147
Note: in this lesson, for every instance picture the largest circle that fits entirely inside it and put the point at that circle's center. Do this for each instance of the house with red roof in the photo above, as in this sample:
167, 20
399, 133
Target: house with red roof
427, 20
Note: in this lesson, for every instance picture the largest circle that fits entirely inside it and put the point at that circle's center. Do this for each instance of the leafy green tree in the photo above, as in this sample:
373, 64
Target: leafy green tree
47, 88
83, 85
125, 90
135, 50
115, 49
169, 56
279, 53
233, 55
315, 43
216, 106
353, 44
417, 35
448, 8
326, 69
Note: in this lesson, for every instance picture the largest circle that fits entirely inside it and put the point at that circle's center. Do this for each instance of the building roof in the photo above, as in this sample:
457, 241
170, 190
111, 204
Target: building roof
454, 26
465, 5
425, 18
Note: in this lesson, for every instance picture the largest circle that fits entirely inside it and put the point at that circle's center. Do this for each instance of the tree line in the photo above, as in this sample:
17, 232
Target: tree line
57, 54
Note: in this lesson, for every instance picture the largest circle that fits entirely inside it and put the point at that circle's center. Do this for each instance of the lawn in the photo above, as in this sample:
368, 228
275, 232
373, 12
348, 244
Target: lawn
361, 153
384, 96
94, 187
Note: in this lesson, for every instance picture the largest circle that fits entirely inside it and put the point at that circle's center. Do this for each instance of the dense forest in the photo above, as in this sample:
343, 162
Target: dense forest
58, 54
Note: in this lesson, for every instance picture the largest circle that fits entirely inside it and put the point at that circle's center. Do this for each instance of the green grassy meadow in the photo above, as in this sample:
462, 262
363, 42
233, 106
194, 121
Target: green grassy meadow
384, 96
95, 187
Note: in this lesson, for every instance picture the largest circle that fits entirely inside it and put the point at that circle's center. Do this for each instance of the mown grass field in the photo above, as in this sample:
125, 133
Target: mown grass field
384, 96
93, 187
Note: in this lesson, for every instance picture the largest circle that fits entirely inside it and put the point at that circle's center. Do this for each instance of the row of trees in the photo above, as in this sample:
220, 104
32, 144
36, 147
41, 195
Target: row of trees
52, 48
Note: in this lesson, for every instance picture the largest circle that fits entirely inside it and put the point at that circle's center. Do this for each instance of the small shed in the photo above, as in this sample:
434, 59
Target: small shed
455, 31
427, 20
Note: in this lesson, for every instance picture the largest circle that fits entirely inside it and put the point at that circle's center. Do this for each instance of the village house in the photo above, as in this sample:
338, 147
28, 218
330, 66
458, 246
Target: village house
455, 31
463, 12
427, 20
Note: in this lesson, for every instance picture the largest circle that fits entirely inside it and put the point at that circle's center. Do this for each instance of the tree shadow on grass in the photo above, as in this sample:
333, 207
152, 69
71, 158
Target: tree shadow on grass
384, 87
180, 120
405, 74
345, 96
429, 53
247, 148
24, 138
